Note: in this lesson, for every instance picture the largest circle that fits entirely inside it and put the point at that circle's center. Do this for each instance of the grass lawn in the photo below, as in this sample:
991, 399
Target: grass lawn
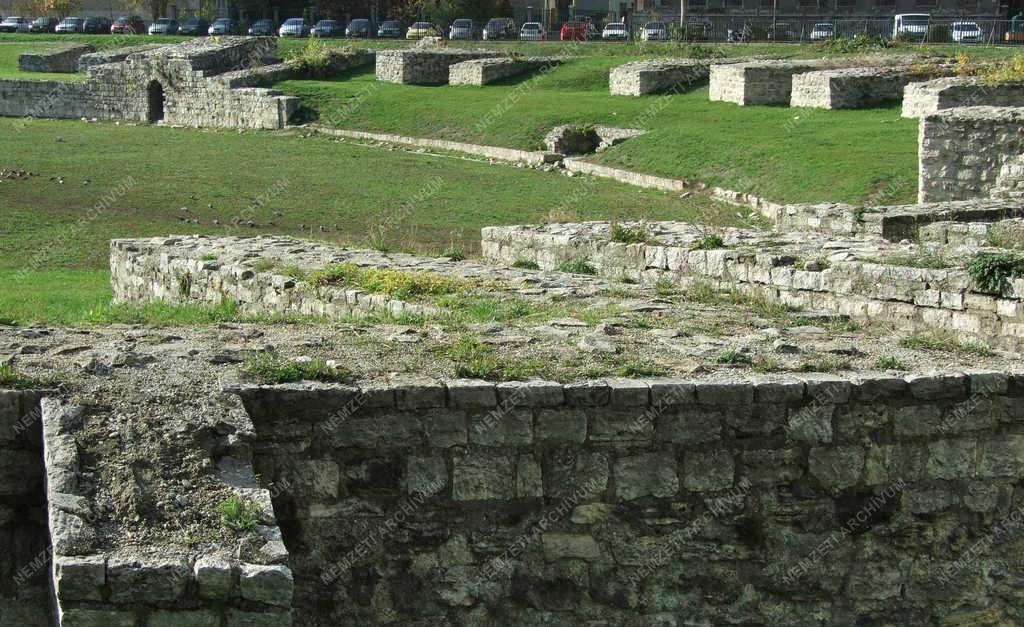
787, 155
13, 45
53, 235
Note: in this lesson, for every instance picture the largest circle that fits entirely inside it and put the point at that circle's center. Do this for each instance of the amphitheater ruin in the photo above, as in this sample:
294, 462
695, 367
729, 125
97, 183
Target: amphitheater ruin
822, 487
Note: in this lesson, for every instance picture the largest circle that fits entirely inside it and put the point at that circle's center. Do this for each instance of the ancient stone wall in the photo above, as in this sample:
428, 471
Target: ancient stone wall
908, 298
423, 67
925, 98
483, 71
189, 84
851, 88
24, 559
756, 82
93, 588
1010, 183
962, 151
114, 55
63, 59
787, 501
639, 78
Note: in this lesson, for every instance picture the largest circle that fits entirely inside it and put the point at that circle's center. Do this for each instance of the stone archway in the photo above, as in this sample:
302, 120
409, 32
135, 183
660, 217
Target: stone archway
155, 97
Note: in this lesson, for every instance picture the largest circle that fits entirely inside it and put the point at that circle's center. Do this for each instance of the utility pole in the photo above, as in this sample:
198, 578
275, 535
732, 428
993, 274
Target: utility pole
682, 15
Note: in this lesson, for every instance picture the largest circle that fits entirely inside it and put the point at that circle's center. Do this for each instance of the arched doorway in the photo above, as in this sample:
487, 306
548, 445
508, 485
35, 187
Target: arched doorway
155, 92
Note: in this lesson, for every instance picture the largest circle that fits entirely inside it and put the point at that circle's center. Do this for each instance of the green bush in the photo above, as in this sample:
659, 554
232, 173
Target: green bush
991, 272
577, 265
239, 514
709, 241
630, 235
525, 264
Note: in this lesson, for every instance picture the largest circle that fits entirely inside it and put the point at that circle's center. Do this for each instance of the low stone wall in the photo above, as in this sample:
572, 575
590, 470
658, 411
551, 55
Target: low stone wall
894, 223
574, 139
784, 501
24, 559
92, 589
962, 151
975, 235
534, 157
648, 181
93, 59
45, 99
63, 59
209, 270
925, 98
756, 82
639, 78
424, 67
1010, 183
483, 71
912, 299
851, 88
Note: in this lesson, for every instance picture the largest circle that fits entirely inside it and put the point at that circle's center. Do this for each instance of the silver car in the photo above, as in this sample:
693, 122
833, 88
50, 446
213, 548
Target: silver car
164, 26
654, 31
462, 29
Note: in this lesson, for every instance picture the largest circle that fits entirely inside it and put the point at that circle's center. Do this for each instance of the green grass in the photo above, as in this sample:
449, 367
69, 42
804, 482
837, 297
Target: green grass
992, 272
944, 341
10, 378
239, 514
133, 181
270, 368
791, 155
13, 45
400, 284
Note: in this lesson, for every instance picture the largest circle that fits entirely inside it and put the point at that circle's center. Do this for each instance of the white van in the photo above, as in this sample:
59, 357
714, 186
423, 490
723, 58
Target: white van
911, 25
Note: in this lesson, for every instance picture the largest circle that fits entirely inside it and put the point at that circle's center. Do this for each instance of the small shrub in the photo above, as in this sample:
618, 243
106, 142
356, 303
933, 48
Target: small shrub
888, 362
208, 257
294, 272
473, 359
239, 514
735, 358
765, 364
861, 42
577, 265
665, 287
630, 235
312, 60
264, 264
270, 368
709, 241
1011, 71
399, 284
525, 264
454, 253
991, 272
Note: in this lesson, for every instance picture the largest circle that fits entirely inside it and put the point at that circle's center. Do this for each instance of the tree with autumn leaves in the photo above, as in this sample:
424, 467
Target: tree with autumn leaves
438, 11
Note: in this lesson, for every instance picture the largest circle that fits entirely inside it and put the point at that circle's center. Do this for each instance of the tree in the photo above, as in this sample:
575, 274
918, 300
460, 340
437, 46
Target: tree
59, 8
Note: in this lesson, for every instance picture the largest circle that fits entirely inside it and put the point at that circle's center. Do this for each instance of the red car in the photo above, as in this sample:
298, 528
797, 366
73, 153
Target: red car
132, 25
574, 31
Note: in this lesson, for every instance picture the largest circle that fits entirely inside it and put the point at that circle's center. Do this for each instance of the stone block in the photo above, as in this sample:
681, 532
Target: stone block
712, 470
647, 474
79, 578
565, 545
155, 581
215, 578
838, 467
483, 476
561, 425
426, 475
271, 585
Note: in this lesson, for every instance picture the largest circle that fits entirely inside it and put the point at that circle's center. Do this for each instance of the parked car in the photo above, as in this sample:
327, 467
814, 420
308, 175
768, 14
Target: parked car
654, 31
822, 31
164, 26
462, 29
615, 31
70, 25
967, 33
96, 25
223, 26
532, 31
293, 27
262, 28
419, 30
573, 31
43, 25
389, 30
15, 25
499, 28
326, 28
194, 26
358, 28
911, 26
128, 25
